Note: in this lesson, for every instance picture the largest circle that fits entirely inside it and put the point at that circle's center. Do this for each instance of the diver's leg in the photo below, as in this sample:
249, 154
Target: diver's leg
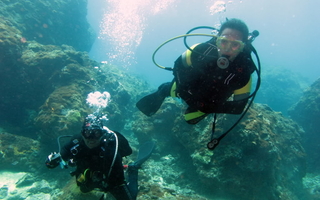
133, 180
193, 116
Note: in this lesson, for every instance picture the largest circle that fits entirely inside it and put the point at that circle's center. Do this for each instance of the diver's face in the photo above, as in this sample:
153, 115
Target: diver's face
91, 142
230, 43
92, 137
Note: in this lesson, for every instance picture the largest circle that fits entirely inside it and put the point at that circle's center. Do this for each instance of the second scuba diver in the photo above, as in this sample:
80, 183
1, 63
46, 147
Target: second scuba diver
97, 155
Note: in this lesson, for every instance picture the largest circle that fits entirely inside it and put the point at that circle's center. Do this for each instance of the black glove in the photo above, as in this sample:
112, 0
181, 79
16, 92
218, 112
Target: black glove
53, 160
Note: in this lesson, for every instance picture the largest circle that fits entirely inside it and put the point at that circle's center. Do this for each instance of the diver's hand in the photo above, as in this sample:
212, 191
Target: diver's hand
53, 160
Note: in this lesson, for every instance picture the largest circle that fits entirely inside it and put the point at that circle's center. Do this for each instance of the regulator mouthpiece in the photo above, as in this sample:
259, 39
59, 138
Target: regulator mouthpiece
223, 62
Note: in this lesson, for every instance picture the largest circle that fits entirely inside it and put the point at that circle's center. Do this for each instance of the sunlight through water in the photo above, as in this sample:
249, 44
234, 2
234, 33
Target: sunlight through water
123, 25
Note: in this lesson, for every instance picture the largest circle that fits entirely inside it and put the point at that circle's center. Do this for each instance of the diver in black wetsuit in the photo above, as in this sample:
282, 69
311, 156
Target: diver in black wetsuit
97, 154
206, 76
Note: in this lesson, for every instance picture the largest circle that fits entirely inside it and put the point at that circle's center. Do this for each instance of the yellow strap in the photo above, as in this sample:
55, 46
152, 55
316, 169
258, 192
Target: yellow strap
245, 89
85, 173
173, 90
193, 115
186, 56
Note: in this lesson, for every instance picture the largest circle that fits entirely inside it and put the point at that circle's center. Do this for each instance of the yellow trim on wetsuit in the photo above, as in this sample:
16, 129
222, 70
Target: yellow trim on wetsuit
186, 56
193, 115
173, 90
244, 90
82, 177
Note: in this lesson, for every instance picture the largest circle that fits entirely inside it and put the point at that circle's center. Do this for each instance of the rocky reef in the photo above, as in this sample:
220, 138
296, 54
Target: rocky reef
18, 152
46, 82
281, 88
262, 158
55, 22
307, 113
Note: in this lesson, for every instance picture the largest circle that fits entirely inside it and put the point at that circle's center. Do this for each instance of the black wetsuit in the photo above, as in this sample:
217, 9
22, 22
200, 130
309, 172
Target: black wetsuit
96, 164
204, 86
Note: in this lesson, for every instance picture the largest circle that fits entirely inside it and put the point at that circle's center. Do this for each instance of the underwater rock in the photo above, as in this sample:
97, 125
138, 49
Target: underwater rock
42, 196
312, 183
307, 113
37, 72
3, 192
26, 180
10, 45
263, 150
25, 186
55, 22
18, 152
279, 92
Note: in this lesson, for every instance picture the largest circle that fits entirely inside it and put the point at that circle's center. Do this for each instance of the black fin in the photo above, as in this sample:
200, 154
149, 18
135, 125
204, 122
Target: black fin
144, 153
150, 104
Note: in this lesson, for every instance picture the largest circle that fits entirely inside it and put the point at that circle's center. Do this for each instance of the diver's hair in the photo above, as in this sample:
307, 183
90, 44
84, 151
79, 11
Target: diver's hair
236, 24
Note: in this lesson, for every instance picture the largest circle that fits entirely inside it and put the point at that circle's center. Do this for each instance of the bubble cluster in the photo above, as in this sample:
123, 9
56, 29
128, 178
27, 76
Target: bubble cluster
123, 25
98, 100
218, 7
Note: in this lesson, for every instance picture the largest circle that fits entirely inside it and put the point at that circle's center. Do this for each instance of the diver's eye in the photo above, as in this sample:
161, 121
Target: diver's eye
235, 45
92, 134
224, 42
227, 44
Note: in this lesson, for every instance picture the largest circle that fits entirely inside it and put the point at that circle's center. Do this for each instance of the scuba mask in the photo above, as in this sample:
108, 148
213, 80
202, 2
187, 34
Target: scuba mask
228, 49
225, 44
92, 127
92, 133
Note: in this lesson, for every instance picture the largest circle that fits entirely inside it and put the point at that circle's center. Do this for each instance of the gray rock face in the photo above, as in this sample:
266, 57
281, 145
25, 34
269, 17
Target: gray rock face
307, 113
260, 158
55, 22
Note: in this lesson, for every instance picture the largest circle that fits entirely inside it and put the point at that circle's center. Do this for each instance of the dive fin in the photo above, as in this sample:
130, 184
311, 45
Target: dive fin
150, 104
144, 153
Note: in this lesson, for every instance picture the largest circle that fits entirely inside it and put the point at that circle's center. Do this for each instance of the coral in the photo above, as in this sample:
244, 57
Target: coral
278, 91
202, 157
65, 24
264, 149
64, 111
10, 42
307, 113
17, 152
73, 116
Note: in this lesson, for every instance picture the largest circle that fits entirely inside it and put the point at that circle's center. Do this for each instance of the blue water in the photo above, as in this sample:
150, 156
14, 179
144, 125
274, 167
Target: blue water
288, 32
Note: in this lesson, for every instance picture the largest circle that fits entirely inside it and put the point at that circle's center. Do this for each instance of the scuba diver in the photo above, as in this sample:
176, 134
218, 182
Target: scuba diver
211, 77
97, 155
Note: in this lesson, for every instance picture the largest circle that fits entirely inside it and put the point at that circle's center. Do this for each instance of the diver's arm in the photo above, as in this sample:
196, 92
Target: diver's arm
55, 159
243, 92
184, 70
232, 107
236, 106
186, 57
69, 149
240, 100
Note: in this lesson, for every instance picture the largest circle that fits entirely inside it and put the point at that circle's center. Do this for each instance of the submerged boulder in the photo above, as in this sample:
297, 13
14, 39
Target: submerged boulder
307, 113
260, 158
18, 153
56, 22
